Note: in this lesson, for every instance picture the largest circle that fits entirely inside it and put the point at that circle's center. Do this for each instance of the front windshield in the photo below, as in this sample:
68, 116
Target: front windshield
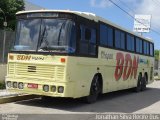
27, 35
45, 35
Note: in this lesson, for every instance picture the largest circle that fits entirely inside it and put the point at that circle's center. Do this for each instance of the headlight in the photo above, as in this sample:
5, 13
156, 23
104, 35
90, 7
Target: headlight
60, 89
9, 84
20, 85
46, 88
53, 88
14, 84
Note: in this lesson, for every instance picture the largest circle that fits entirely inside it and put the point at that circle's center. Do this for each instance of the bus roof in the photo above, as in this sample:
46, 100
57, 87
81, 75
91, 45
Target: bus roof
89, 16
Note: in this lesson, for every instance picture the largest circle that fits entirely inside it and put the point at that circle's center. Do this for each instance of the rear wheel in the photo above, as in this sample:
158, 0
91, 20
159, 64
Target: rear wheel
144, 81
139, 84
95, 90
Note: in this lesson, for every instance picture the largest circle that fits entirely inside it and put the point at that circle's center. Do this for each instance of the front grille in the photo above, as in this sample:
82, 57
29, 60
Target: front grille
31, 68
11, 67
36, 71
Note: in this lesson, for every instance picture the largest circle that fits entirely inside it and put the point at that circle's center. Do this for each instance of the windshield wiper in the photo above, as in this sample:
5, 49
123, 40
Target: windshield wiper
44, 39
47, 46
60, 32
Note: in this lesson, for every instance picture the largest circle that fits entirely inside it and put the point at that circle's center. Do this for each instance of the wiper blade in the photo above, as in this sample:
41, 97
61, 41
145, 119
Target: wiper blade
44, 39
42, 36
60, 32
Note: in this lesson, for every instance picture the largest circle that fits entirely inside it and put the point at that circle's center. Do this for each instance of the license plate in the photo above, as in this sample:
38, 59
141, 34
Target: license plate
34, 86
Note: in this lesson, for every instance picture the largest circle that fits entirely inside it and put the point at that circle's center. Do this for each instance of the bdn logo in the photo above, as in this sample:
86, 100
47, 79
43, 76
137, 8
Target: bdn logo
23, 57
126, 66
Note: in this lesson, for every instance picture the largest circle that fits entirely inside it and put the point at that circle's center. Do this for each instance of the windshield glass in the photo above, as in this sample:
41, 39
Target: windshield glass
45, 35
27, 35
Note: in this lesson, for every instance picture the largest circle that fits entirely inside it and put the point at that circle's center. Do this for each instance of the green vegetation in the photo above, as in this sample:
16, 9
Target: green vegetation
10, 7
156, 54
2, 85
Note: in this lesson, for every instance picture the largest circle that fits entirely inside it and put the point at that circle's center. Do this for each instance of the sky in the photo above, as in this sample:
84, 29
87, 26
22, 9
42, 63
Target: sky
109, 11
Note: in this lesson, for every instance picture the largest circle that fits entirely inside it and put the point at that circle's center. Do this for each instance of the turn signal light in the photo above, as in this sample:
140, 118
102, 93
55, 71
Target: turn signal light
63, 60
11, 57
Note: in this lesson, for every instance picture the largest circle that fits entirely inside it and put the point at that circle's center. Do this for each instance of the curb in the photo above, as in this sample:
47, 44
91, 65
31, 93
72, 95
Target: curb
9, 99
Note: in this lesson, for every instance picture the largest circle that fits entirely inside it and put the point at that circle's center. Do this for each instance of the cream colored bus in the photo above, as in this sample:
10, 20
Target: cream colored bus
62, 53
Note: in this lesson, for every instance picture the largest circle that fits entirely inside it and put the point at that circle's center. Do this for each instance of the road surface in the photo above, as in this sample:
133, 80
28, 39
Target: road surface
124, 101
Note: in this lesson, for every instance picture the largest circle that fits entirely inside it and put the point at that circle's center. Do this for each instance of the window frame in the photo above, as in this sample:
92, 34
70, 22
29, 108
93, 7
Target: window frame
130, 35
90, 24
125, 32
139, 39
152, 49
121, 32
108, 27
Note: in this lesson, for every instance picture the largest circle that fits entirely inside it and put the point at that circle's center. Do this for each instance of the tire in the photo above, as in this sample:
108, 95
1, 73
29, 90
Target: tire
95, 90
138, 88
143, 85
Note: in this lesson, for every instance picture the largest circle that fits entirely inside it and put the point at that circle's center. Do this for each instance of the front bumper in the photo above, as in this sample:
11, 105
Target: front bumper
67, 92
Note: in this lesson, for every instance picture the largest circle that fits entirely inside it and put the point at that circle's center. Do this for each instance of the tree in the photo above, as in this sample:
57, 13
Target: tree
156, 54
10, 7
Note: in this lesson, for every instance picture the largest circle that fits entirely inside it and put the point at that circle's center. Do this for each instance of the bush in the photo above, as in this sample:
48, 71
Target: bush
2, 85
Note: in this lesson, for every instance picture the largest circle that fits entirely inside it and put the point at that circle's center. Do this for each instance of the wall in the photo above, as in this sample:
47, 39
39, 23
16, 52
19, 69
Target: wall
3, 71
10, 36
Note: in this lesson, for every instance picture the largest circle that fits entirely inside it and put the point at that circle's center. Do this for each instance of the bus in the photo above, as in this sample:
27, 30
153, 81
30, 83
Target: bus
72, 54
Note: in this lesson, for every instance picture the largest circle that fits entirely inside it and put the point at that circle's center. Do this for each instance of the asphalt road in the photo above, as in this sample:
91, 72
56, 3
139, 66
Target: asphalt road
125, 101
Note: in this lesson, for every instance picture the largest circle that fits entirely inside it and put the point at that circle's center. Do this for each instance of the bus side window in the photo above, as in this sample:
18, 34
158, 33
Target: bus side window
87, 34
106, 35
103, 35
119, 39
151, 49
130, 43
138, 45
92, 44
87, 40
146, 47
83, 44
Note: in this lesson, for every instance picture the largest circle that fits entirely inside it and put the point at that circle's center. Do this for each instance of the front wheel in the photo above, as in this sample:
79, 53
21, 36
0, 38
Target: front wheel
95, 90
